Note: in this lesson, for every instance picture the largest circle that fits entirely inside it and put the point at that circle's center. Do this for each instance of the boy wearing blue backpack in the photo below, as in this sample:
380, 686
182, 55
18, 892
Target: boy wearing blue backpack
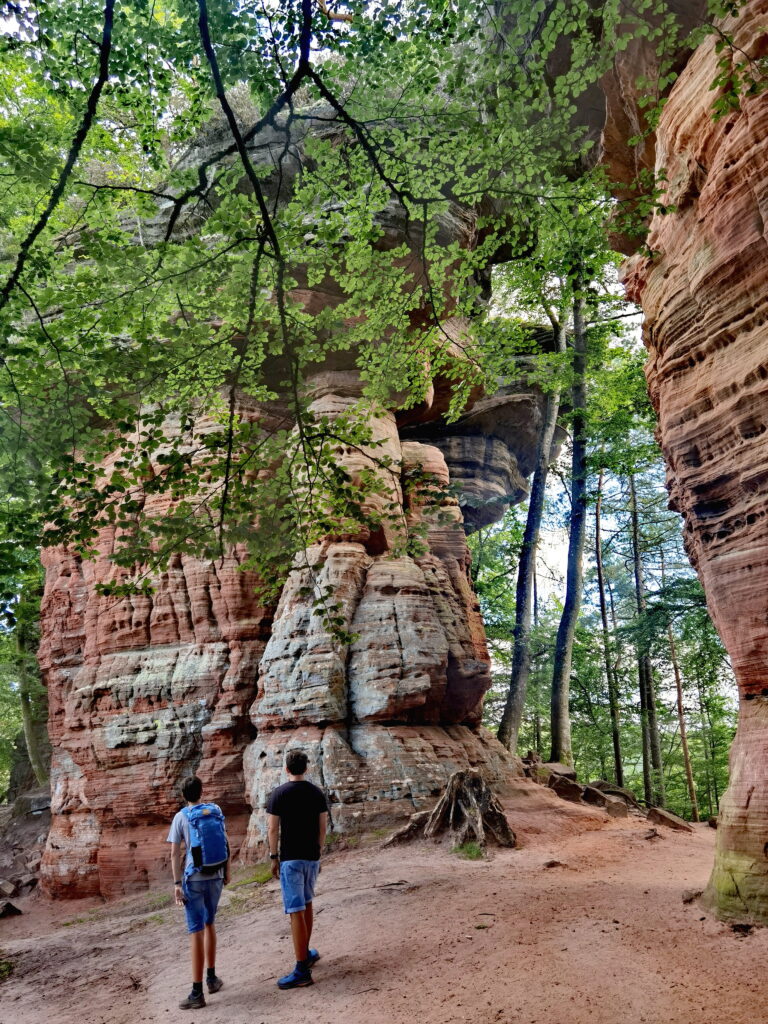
197, 886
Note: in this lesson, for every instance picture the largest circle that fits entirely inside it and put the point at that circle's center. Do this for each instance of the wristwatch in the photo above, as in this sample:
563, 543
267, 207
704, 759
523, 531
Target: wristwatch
274, 856
177, 883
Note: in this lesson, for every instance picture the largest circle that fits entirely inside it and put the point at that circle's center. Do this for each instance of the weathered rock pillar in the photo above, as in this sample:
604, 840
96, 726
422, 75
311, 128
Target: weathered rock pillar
198, 677
705, 299
387, 719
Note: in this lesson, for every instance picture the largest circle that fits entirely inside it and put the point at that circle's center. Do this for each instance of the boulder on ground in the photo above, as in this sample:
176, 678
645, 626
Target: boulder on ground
712, 821
616, 807
8, 910
661, 817
34, 802
7, 887
594, 796
538, 772
613, 790
565, 788
557, 768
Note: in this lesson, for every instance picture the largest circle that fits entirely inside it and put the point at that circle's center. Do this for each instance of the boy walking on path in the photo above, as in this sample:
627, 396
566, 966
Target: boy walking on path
197, 887
298, 812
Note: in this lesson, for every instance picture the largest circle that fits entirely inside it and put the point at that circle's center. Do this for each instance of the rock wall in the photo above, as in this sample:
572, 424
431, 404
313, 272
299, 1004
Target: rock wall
198, 676
142, 691
704, 293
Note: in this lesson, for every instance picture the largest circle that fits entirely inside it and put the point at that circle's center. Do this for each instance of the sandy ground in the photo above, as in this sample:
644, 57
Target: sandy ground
414, 935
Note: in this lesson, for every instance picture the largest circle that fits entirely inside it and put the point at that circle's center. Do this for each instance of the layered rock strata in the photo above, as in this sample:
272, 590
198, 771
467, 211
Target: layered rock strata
143, 691
705, 300
199, 676
387, 719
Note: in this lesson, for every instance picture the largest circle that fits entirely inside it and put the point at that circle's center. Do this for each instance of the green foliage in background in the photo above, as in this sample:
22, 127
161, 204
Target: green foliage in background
149, 273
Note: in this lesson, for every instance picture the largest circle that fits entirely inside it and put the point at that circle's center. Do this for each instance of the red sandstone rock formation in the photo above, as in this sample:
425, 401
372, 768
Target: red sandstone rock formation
198, 677
706, 306
142, 691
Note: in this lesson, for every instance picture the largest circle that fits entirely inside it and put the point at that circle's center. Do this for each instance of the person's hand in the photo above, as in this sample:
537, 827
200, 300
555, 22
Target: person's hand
226, 878
178, 893
275, 868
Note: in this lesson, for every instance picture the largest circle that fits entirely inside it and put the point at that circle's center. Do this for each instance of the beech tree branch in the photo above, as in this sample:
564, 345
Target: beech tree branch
105, 49
333, 15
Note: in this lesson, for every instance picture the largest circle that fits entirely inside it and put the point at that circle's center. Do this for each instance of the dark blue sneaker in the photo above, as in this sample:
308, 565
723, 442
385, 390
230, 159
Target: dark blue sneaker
314, 956
194, 1001
300, 977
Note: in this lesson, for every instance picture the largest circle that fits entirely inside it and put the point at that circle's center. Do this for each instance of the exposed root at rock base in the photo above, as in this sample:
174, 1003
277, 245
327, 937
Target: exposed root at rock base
468, 811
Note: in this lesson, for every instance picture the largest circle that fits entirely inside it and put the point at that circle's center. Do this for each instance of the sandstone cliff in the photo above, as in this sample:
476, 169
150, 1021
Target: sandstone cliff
703, 292
199, 676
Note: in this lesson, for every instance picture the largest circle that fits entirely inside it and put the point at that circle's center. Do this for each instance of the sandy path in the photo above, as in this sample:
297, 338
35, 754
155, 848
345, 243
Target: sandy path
416, 936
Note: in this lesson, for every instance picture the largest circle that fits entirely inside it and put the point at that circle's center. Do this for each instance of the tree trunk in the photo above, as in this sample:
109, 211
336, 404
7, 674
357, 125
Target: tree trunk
643, 686
705, 748
560, 713
613, 690
512, 717
30, 721
712, 751
537, 745
680, 712
645, 671
683, 730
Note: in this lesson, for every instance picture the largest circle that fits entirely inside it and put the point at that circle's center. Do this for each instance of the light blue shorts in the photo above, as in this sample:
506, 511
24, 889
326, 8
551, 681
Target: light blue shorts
201, 900
297, 882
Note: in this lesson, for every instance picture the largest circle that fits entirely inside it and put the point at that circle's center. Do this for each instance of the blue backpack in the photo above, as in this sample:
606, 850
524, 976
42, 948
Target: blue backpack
209, 846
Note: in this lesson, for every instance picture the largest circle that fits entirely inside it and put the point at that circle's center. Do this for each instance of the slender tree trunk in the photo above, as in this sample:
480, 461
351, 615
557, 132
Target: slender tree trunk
645, 671
712, 755
705, 746
680, 712
29, 720
613, 690
512, 717
536, 673
683, 730
561, 672
647, 774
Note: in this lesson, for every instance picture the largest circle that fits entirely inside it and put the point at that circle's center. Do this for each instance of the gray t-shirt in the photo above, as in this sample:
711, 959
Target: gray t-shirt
179, 833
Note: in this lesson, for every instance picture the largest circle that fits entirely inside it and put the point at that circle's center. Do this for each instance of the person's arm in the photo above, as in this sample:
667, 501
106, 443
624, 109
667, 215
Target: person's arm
322, 827
273, 834
177, 876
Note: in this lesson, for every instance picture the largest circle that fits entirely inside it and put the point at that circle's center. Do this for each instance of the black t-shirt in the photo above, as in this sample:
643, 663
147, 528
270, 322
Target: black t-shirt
298, 805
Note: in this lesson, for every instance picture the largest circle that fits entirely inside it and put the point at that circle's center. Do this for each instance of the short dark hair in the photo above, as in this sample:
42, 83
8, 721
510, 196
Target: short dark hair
296, 762
191, 788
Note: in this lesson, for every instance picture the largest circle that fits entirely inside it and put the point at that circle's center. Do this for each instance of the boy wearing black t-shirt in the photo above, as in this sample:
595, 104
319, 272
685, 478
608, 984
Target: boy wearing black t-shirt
298, 812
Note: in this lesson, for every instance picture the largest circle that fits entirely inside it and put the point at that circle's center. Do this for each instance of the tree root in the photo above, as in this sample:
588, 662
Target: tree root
467, 811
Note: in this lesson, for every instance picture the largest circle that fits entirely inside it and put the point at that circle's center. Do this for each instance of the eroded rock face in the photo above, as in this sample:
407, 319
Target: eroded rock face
706, 305
386, 719
200, 677
142, 692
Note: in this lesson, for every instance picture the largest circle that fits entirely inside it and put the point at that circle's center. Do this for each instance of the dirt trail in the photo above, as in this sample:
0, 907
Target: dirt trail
416, 935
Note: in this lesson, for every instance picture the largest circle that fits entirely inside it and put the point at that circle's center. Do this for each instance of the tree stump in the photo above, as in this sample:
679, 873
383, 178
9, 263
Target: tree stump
468, 811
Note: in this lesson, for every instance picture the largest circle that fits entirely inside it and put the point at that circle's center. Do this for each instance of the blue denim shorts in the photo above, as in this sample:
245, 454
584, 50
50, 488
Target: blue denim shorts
297, 882
201, 898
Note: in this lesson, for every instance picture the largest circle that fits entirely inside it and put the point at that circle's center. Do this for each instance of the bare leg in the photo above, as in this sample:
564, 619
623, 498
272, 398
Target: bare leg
309, 918
197, 950
299, 935
210, 945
